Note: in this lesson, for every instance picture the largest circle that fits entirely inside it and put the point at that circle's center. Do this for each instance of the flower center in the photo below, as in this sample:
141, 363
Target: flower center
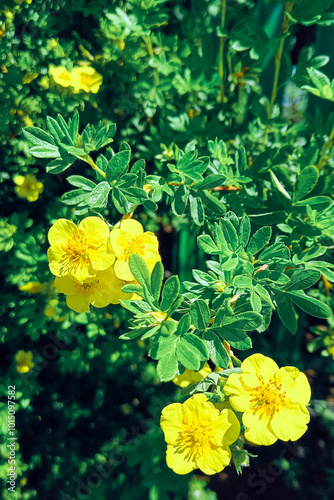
197, 437
86, 288
86, 80
76, 252
134, 244
268, 398
65, 76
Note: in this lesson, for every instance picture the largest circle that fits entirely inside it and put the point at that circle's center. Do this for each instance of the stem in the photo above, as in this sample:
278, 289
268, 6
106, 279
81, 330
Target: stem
149, 47
278, 60
221, 52
91, 162
325, 148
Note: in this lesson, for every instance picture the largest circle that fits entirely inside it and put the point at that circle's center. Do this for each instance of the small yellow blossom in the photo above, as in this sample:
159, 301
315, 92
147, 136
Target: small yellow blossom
28, 121
104, 289
20, 2
198, 435
28, 187
61, 76
50, 311
86, 78
32, 287
273, 400
331, 350
190, 377
79, 251
24, 361
29, 77
130, 238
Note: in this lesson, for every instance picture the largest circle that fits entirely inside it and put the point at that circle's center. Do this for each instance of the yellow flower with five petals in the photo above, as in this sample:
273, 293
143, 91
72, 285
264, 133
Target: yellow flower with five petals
198, 435
86, 78
104, 289
129, 239
79, 251
24, 361
28, 187
273, 400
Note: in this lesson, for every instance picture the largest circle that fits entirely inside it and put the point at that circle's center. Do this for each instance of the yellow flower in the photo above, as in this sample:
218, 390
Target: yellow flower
198, 435
29, 77
273, 400
20, 2
331, 350
24, 361
190, 377
86, 78
104, 289
130, 238
79, 251
50, 311
27, 187
60, 75
28, 121
32, 287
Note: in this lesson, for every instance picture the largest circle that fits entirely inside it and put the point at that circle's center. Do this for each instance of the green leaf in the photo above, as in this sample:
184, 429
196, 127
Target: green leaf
269, 218
216, 350
81, 182
157, 278
118, 165
230, 234
264, 294
206, 243
99, 196
286, 312
306, 181
280, 188
180, 200
47, 151
176, 305
244, 231
184, 324
74, 197
60, 165
167, 367
170, 293
163, 347
303, 279
54, 129
196, 209
200, 314
120, 201
211, 181
246, 321
190, 351
259, 240
243, 282
310, 305
140, 270
212, 203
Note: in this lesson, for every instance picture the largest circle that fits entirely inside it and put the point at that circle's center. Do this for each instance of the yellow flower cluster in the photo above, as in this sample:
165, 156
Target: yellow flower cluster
273, 404
80, 78
28, 187
83, 259
24, 361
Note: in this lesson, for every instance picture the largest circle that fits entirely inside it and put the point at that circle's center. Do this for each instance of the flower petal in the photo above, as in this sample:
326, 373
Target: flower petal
257, 431
179, 459
264, 367
61, 232
79, 302
214, 459
100, 259
131, 226
290, 422
171, 422
65, 285
95, 229
295, 384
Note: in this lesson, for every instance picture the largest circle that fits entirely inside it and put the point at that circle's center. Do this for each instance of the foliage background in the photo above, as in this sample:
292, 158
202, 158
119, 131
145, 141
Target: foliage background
92, 399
